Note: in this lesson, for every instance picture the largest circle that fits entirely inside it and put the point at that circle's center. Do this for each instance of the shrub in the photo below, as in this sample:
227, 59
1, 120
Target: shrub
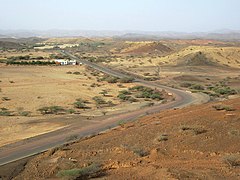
195, 129
71, 111
89, 171
141, 152
104, 92
76, 73
162, 137
197, 87
224, 91
99, 100
109, 79
222, 107
110, 103
233, 160
51, 110
126, 80
6, 99
80, 103
24, 113
40, 63
5, 112
185, 84
125, 92
123, 97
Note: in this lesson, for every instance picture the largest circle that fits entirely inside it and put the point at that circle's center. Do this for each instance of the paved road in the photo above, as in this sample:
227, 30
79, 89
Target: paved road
41, 143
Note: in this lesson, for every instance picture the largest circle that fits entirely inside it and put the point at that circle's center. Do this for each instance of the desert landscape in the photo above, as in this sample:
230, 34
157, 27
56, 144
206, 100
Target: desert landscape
120, 90
38, 99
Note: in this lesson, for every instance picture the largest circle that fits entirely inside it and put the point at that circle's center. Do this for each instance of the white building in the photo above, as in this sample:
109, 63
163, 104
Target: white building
64, 62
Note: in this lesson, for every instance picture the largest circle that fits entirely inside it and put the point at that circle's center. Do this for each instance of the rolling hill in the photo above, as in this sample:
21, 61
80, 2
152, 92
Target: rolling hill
203, 55
146, 48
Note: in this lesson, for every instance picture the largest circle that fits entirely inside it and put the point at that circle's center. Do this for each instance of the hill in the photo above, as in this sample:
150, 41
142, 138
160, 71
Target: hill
68, 40
10, 45
203, 55
146, 47
198, 142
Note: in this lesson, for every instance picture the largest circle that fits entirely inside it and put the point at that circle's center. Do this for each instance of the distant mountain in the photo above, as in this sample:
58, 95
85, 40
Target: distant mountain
10, 45
30, 40
149, 35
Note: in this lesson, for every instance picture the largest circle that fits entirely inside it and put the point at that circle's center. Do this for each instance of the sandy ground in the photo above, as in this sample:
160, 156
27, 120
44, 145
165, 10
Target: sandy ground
32, 53
18, 128
34, 87
30, 88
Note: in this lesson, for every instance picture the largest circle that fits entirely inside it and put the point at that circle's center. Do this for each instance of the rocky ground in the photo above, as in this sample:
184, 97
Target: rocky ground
198, 142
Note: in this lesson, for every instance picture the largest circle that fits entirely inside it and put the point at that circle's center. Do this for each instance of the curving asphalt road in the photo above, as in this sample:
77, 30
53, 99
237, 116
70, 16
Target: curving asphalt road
41, 143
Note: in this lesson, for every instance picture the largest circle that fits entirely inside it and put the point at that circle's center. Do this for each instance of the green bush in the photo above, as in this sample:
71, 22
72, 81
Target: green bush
71, 111
80, 103
197, 87
232, 160
141, 152
76, 73
109, 79
223, 107
186, 84
5, 99
162, 137
224, 91
126, 80
51, 110
123, 97
40, 63
99, 100
125, 92
5, 112
89, 171
25, 113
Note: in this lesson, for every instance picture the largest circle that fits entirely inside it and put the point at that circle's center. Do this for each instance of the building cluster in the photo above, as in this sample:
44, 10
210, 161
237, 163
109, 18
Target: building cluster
64, 62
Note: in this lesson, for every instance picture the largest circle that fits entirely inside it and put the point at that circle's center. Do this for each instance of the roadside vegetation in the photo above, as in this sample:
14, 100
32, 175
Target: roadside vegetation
220, 89
140, 92
112, 79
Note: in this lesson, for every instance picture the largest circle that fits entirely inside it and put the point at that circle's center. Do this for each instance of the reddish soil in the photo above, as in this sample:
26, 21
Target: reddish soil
198, 142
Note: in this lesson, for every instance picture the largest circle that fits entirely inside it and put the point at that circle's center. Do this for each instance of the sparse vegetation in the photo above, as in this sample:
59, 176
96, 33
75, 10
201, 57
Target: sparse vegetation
51, 110
141, 152
223, 107
194, 129
99, 100
162, 137
224, 91
90, 171
80, 104
126, 80
25, 113
5, 112
40, 63
232, 160
146, 92
76, 73
197, 87
5, 99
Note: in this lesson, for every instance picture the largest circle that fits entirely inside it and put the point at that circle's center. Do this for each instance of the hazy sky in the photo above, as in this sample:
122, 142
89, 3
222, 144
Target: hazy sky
149, 15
